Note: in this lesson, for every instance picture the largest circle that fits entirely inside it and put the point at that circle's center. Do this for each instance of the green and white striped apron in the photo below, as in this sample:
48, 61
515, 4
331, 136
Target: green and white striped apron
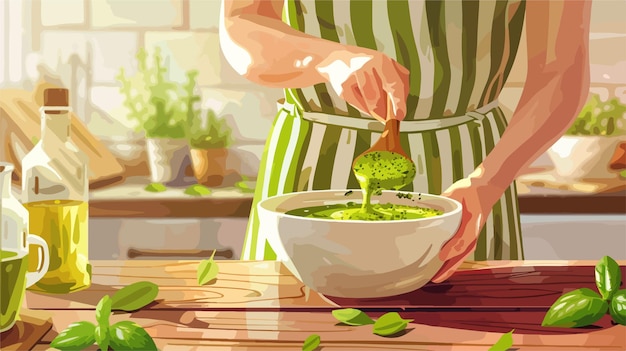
459, 54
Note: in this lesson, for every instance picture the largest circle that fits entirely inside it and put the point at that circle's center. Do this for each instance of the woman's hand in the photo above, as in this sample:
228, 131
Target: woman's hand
477, 200
368, 80
265, 50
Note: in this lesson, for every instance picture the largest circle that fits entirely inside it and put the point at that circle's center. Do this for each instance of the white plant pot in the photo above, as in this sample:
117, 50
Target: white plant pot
167, 159
584, 157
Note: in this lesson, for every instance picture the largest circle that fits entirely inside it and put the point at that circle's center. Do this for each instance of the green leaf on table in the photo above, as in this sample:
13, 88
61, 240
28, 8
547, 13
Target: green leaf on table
504, 343
311, 343
155, 187
77, 336
127, 335
577, 308
103, 311
390, 323
207, 270
243, 186
617, 308
197, 190
352, 316
608, 277
135, 296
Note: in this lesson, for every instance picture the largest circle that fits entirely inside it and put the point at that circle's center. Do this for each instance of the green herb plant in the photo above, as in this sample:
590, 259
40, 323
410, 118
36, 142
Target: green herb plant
599, 117
583, 307
123, 335
207, 270
153, 101
211, 132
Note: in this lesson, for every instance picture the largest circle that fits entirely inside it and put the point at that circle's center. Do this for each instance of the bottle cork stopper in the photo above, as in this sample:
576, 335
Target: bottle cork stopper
56, 97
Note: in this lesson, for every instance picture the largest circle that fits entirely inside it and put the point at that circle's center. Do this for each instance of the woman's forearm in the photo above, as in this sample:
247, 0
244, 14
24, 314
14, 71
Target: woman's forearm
544, 113
267, 51
557, 85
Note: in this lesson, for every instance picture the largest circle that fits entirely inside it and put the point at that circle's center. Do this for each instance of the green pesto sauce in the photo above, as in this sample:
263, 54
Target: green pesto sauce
382, 170
355, 211
376, 171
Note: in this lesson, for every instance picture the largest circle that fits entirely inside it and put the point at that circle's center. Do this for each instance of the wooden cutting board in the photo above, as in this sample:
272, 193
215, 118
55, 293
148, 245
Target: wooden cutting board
20, 128
26, 332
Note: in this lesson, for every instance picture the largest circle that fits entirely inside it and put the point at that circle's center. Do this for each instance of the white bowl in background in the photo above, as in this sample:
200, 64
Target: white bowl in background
584, 157
358, 259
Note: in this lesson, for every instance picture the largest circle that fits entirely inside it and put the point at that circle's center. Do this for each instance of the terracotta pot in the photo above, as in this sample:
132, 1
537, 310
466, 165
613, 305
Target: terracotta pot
209, 165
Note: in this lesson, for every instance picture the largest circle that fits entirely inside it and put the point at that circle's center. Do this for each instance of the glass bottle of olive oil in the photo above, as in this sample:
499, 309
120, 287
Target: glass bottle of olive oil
55, 190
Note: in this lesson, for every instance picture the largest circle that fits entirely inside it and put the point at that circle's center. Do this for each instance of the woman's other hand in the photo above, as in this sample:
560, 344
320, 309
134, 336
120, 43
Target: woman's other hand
477, 200
368, 80
557, 84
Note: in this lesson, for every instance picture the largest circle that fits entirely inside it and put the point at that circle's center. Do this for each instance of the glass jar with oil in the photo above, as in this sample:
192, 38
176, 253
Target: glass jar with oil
55, 190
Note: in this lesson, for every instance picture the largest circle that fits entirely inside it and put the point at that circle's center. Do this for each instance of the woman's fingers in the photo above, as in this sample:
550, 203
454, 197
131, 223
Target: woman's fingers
450, 266
353, 95
396, 84
370, 85
456, 244
460, 246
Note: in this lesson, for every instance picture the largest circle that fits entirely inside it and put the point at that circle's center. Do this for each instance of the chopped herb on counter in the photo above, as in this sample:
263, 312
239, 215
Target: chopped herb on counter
207, 270
311, 343
155, 187
197, 190
504, 343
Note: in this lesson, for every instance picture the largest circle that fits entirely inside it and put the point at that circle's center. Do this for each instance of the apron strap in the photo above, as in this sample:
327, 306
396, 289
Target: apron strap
413, 126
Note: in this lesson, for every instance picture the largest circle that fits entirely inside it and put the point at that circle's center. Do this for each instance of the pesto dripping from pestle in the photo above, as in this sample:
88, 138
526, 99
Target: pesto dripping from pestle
385, 165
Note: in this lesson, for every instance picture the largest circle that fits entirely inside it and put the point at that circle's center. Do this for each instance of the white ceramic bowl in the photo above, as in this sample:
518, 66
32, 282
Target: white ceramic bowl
358, 259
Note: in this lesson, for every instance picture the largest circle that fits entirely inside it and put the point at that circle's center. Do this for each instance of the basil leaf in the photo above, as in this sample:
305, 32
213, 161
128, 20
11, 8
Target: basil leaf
577, 308
207, 270
135, 296
608, 277
103, 311
127, 335
352, 316
390, 323
504, 343
311, 343
77, 336
101, 335
617, 308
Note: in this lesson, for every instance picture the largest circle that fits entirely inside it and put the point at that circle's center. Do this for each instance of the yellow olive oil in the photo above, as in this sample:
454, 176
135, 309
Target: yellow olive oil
63, 224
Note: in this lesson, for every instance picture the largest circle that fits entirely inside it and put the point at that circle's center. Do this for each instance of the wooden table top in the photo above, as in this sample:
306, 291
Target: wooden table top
261, 305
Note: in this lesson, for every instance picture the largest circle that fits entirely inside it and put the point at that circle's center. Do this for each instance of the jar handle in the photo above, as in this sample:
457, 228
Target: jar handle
44, 260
